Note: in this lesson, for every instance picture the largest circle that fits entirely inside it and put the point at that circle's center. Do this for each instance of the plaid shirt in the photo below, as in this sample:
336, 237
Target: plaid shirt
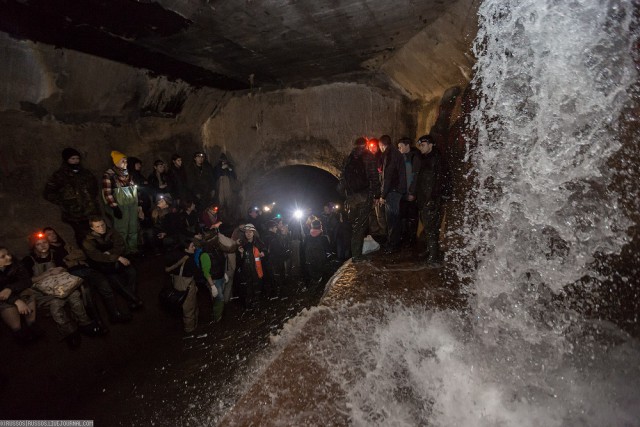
108, 179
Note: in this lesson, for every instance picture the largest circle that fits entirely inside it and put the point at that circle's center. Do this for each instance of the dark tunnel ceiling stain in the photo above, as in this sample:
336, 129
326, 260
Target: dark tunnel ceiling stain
221, 43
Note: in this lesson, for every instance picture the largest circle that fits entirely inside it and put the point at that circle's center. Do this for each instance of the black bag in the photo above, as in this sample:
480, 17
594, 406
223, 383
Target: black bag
354, 175
172, 299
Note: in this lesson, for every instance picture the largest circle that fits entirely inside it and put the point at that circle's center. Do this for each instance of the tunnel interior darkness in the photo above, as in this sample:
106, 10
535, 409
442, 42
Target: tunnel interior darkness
291, 187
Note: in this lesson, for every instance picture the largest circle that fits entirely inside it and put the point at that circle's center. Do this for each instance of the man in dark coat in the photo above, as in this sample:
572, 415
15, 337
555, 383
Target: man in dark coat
359, 195
201, 180
408, 205
394, 187
75, 190
432, 185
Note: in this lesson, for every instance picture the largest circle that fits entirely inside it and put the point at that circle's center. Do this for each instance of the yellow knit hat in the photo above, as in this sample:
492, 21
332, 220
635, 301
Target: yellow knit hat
116, 156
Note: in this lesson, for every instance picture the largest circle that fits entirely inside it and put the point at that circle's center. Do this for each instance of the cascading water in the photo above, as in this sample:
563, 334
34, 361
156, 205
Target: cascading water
553, 78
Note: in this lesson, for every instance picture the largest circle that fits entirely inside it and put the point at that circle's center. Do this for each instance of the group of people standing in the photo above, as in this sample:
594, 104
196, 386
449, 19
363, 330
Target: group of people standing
406, 182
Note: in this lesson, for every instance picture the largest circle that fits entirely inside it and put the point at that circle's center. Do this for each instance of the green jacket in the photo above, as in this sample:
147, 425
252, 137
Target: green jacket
75, 192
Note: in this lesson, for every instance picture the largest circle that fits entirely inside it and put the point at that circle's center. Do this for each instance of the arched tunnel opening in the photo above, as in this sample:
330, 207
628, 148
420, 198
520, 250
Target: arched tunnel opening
529, 313
307, 188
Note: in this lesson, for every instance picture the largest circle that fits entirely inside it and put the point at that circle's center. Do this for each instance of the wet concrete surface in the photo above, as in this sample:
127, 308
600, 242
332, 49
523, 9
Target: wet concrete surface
293, 386
148, 372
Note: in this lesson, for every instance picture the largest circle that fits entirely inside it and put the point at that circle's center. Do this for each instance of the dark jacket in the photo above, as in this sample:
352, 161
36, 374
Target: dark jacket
394, 177
177, 180
75, 192
412, 158
370, 164
276, 248
95, 245
14, 277
432, 180
200, 180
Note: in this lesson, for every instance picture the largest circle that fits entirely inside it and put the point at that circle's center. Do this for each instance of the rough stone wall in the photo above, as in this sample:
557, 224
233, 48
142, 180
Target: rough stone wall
54, 98
314, 126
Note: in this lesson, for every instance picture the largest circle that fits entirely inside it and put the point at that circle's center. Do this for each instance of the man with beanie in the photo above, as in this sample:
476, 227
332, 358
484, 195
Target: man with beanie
75, 190
120, 197
394, 187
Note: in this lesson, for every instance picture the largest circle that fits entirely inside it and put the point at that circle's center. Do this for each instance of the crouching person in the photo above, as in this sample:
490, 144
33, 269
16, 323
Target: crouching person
45, 268
17, 299
105, 250
183, 269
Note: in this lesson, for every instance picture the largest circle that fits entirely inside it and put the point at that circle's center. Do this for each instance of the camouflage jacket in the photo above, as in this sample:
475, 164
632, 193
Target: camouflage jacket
74, 192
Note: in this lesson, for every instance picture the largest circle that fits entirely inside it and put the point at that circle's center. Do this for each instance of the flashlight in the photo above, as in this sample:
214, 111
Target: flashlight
266, 208
297, 214
337, 207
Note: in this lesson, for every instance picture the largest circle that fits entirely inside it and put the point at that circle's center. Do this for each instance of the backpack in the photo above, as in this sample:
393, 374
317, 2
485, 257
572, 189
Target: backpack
354, 175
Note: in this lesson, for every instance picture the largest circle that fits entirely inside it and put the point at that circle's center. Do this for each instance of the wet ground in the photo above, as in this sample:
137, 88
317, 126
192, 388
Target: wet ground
148, 372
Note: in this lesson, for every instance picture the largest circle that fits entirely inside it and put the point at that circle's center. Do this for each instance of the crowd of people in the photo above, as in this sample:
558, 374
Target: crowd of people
391, 188
188, 214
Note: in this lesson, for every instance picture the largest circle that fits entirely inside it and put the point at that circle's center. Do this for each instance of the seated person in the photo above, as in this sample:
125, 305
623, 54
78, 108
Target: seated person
41, 264
93, 280
17, 299
105, 248
163, 233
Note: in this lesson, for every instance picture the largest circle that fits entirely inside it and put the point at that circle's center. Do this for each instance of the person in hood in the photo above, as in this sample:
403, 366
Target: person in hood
75, 190
120, 197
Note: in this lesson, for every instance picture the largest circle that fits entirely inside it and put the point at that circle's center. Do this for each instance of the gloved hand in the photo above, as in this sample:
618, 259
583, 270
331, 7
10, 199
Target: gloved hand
117, 212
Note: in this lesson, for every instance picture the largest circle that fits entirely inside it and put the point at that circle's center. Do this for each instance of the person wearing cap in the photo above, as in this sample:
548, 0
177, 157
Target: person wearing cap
431, 186
75, 190
251, 268
120, 197
201, 180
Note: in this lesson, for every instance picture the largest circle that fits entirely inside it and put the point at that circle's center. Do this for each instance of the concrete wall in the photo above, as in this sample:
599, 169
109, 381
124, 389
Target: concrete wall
314, 126
54, 98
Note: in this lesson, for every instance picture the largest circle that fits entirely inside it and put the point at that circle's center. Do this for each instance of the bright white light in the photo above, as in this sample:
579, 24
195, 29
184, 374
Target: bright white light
266, 208
297, 214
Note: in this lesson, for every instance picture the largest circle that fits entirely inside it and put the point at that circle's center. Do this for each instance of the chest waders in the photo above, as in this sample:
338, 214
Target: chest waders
127, 226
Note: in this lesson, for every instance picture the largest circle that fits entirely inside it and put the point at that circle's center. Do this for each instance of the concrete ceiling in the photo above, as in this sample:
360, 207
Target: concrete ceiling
229, 44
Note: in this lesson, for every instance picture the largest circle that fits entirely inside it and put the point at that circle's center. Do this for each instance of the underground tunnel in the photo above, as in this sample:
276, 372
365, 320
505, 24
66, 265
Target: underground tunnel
529, 319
